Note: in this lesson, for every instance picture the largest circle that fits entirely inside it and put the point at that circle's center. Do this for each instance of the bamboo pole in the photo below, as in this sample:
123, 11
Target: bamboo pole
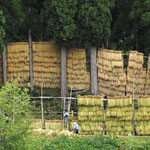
69, 106
104, 100
133, 113
42, 109
31, 60
63, 74
4, 66
63, 112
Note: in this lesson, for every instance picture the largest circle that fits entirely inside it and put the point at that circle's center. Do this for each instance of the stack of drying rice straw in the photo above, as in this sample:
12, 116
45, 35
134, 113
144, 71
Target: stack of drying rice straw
118, 120
118, 116
147, 86
111, 75
142, 116
77, 75
18, 62
90, 114
136, 74
46, 66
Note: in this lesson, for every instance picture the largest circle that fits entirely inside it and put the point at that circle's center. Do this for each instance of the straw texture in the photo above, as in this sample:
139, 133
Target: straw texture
90, 114
118, 118
77, 75
111, 74
18, 62
46, 66
147, 86
136, 74
142, 116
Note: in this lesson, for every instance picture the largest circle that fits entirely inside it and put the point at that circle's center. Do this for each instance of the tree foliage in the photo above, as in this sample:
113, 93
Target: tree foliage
2, 32
121, 36
14, 119
77, 22
130, 25
125, 24
94, 19
32, 18
140, 14
14, 16
21, 15
60, 19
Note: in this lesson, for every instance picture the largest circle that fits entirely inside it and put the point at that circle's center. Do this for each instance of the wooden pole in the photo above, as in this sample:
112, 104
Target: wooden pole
94, 76
69, 106
31, 60
133, 90
63, 73
4, 66
69, 101
64, 101
133, 113
42, 109
103, 102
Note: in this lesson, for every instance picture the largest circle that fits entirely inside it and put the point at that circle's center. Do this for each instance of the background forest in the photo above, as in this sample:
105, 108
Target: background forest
121, 25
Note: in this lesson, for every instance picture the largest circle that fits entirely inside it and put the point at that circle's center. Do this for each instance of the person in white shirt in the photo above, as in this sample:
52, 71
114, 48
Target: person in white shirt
66, 117
76, 128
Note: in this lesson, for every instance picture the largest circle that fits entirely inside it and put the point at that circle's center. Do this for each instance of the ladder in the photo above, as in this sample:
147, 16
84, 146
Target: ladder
67, 105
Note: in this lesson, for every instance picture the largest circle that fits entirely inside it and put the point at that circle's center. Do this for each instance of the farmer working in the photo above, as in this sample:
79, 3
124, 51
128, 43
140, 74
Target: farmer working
66, 117
76, 128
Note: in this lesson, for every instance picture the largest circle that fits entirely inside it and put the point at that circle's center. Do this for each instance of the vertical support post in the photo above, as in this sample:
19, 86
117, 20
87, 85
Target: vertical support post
4, 66
133, 90
103, 101
103, 124
69, 106
64, 101
42, 109
133, 113
94, 76
63, 72
133, 123
69, 101
31, 60
107, 43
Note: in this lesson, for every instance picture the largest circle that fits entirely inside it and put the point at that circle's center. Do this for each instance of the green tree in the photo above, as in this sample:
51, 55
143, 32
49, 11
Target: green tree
32, 18
14, 119
59, 16
74, 23
130, 25
94, 20
140, 15
121, 37
2, 32
21, 15
14, 16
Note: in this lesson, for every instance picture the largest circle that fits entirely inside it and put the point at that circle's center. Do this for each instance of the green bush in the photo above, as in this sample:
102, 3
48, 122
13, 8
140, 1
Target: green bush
136, 145
83, 143
14, 119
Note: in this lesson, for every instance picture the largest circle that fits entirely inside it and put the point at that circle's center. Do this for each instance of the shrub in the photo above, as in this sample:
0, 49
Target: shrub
14, 119
84, 143
136, 144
